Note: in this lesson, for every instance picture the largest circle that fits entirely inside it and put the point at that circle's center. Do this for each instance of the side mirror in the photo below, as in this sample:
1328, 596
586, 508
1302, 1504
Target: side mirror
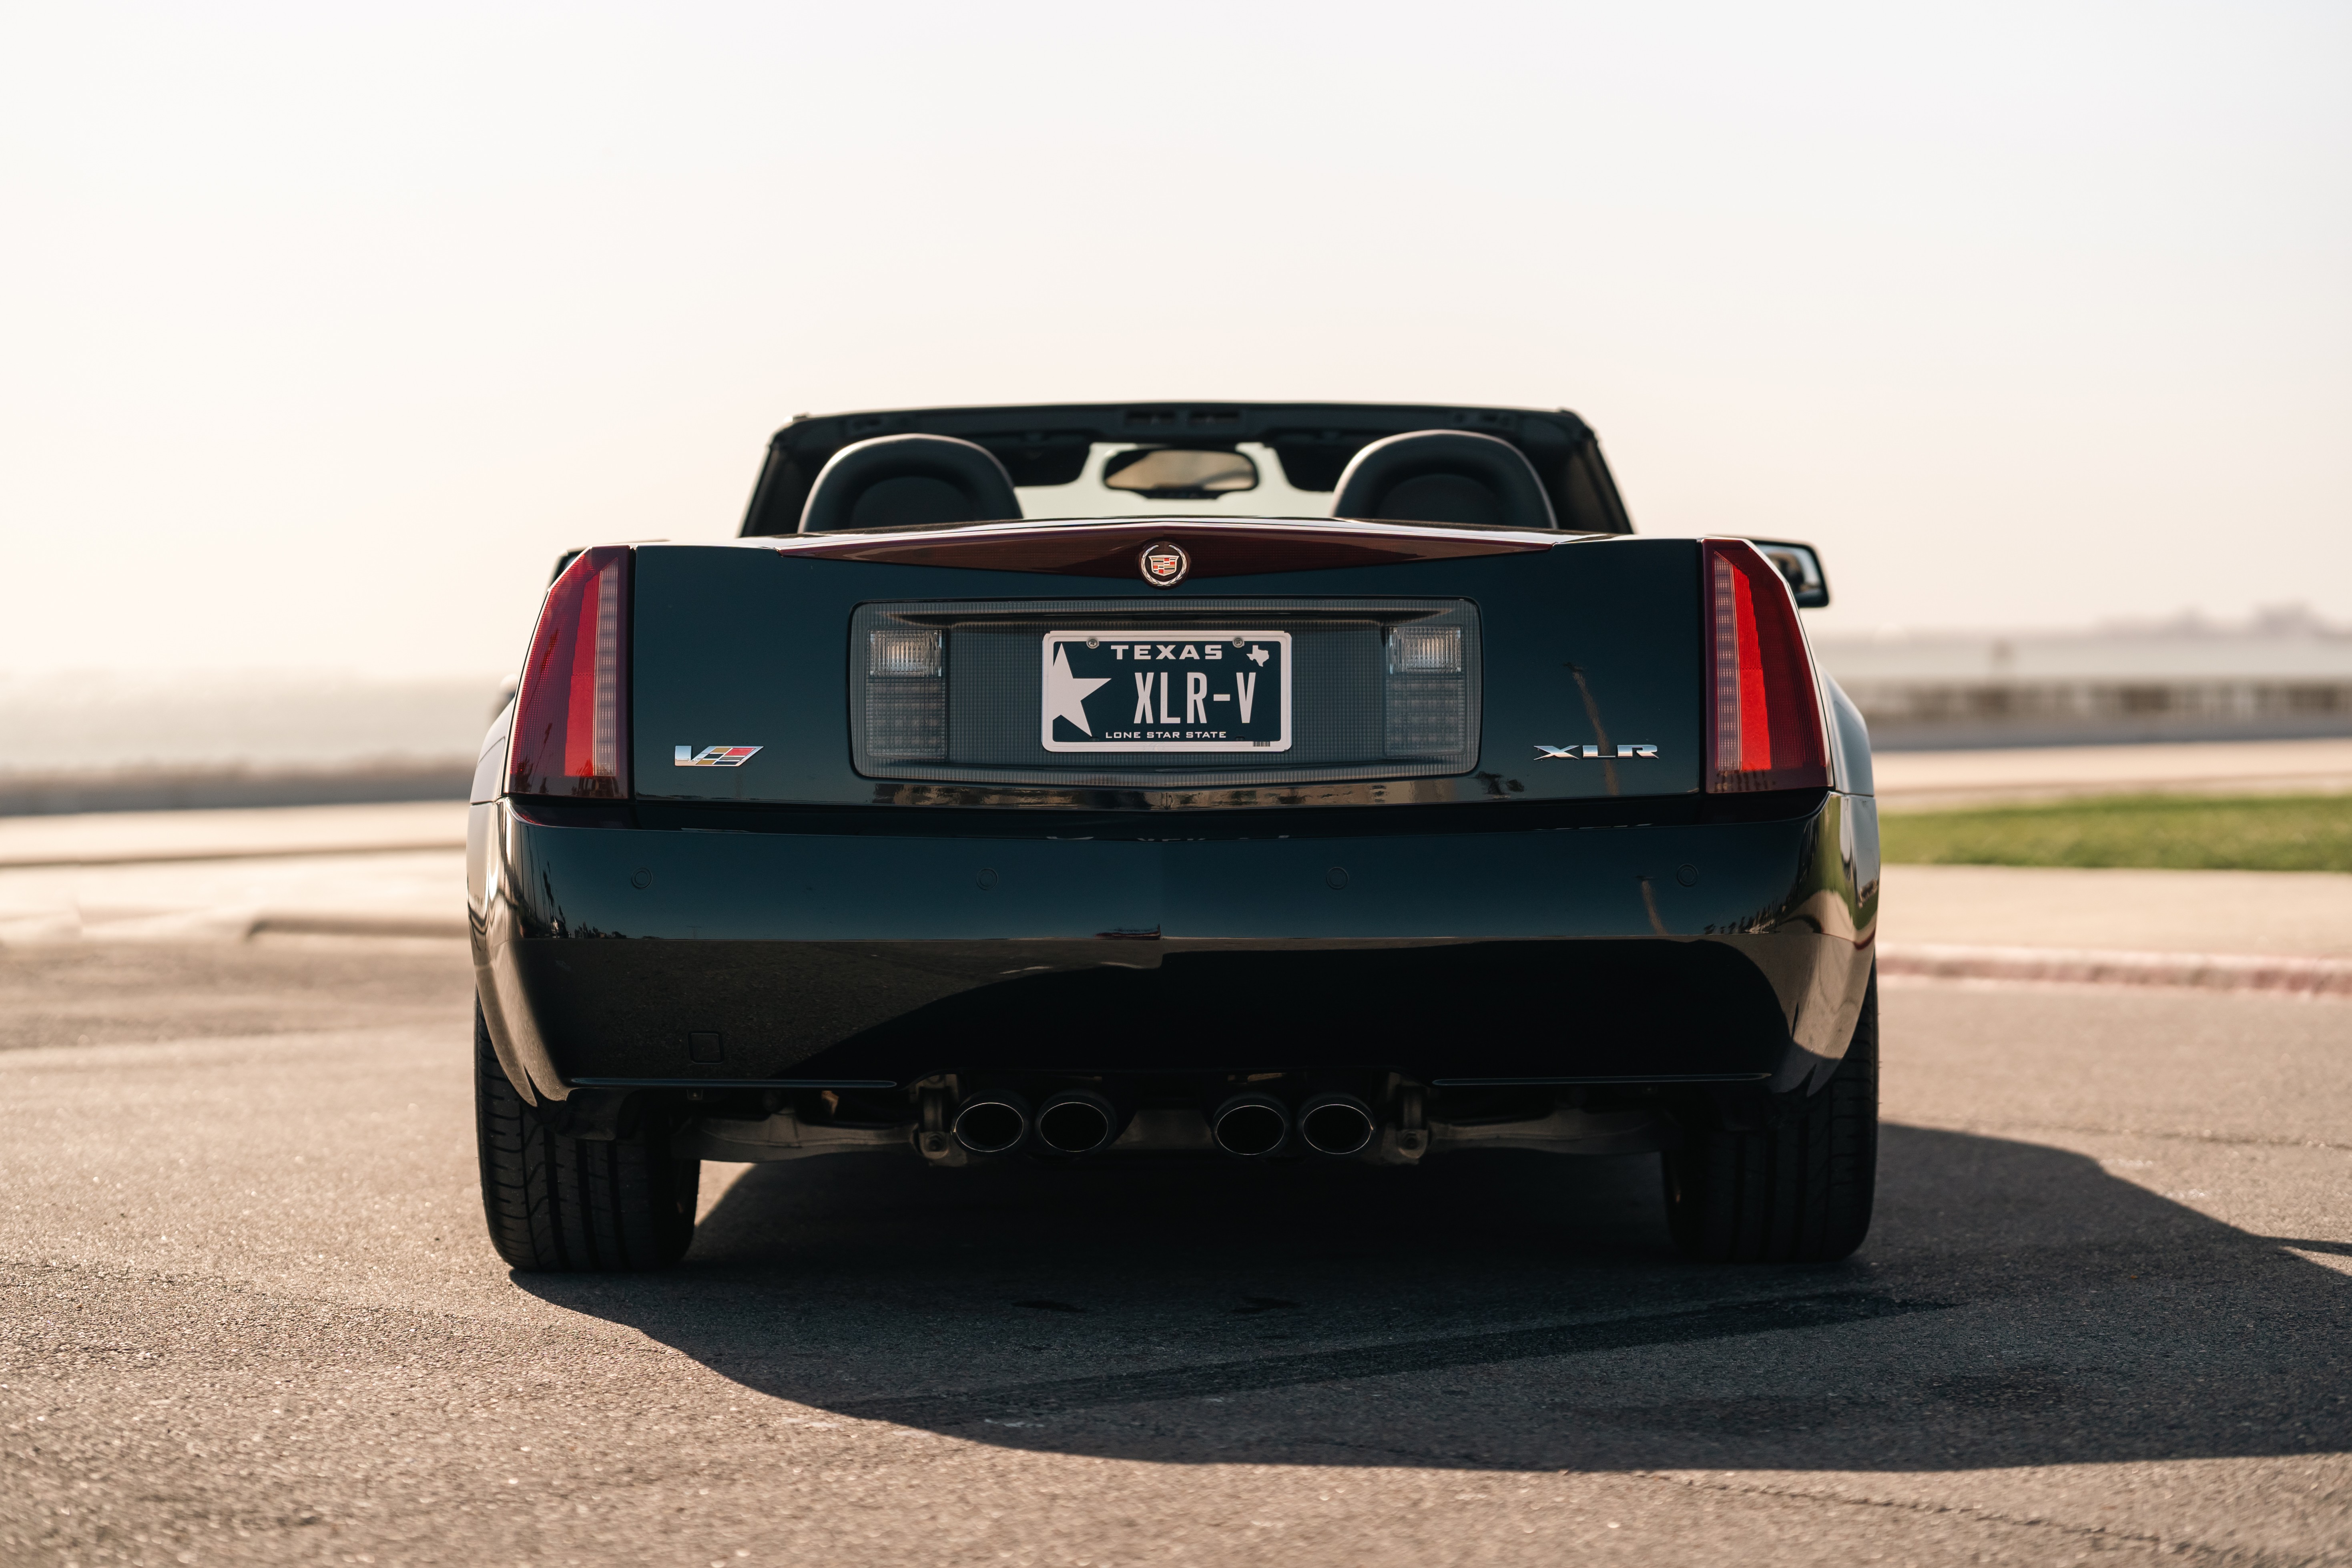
1801, 566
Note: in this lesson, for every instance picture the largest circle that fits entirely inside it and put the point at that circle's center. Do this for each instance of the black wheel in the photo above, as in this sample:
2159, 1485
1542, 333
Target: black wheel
1794, 1187
555, 1202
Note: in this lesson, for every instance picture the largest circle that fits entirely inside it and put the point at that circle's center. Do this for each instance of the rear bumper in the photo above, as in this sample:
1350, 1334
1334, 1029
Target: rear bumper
1663, 953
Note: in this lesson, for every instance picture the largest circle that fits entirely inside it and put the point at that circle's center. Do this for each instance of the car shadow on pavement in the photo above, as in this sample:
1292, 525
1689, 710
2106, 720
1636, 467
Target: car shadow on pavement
2017, 1305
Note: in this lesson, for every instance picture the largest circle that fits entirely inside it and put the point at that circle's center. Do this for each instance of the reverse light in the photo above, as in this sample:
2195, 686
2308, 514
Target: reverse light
1767, 732
571, 725
1424, 650
908, 652
906, 694
1425, 700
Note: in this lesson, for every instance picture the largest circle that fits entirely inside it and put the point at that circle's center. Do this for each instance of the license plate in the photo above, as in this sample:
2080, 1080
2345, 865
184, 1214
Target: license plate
1150, 691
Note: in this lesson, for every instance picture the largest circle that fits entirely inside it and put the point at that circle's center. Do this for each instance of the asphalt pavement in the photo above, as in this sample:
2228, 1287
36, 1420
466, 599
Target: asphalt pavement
247, 1315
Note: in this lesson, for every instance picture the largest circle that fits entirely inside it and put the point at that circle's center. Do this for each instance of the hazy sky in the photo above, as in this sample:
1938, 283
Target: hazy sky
323, 328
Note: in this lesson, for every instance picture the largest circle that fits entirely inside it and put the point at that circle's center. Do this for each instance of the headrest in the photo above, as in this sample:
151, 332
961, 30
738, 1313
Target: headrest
898, 481
1443, 476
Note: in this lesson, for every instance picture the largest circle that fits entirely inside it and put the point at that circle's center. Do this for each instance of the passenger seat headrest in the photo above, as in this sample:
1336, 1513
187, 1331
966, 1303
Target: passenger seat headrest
1443, 476
899, 481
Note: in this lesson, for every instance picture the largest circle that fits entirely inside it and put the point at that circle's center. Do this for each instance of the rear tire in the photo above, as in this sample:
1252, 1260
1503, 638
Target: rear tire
1796, 1189
584, 1205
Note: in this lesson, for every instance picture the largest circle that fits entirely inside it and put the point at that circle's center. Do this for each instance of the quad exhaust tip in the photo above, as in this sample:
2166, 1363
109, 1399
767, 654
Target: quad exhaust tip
1336, 1124
992, 1123
1077, 1122
1249, 1125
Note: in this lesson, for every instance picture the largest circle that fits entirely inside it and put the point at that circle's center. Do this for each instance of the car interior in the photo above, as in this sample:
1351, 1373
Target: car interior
1456, 467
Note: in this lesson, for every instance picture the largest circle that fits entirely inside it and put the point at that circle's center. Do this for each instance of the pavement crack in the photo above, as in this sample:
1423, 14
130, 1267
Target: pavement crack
1689, 1325
1962, 1510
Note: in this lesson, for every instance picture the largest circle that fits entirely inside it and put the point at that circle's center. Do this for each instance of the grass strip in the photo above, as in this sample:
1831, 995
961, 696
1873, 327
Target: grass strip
2192, 832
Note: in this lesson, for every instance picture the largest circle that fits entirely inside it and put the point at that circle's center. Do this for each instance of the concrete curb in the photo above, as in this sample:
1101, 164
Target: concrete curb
180, 857
219, 924
2329, 977
358, 925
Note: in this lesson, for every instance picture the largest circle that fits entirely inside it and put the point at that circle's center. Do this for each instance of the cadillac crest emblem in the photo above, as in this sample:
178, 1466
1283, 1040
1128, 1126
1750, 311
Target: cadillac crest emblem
1164, 565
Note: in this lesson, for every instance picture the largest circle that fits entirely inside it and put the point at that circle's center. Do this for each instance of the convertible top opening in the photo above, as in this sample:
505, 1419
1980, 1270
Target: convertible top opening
1261, 459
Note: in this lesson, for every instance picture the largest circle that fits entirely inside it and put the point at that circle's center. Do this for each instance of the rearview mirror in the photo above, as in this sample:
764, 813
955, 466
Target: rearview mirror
1801, 566
1180, 473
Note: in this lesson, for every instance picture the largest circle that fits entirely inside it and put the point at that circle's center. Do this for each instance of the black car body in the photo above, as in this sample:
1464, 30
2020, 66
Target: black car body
1457, 818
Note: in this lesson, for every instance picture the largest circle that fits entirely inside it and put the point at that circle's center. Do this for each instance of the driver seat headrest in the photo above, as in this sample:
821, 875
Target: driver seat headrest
901, 481
1443, 476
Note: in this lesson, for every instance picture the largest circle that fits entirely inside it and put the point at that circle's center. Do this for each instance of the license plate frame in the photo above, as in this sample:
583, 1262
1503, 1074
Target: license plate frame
1239, 669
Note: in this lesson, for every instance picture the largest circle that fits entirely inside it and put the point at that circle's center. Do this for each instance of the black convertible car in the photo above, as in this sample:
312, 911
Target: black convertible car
1256, 781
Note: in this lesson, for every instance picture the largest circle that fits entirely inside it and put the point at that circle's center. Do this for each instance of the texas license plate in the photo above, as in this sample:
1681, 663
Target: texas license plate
1152, 691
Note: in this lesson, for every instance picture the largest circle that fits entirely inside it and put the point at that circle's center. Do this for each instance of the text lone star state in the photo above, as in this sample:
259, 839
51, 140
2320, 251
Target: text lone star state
1065, 694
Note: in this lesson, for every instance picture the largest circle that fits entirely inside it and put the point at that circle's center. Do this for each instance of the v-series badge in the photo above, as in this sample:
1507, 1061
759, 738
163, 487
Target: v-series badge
713, 756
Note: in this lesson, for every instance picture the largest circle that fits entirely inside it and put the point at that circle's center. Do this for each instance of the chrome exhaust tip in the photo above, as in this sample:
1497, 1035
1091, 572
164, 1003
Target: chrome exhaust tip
1336, 1124
1249, 1125
1077, 1122
992, 1123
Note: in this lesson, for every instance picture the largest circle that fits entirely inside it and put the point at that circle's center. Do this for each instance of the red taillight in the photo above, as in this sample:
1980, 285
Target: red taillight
571, 726
1768, 710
